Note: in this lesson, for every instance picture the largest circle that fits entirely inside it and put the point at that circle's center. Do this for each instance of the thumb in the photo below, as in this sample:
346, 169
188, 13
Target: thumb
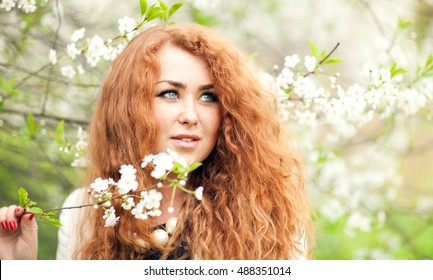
29, 237
29, 229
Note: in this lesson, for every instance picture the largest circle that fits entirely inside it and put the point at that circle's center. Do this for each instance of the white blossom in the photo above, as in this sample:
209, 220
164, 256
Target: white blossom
127, 171
163, 161
147, 159
152, 199
291, 61
127, 27
80, 162
82, 139
158, 172
78, 34
154, 213
128, 203
52, 56
80, 69
127, 184
360, 221
110, 217
27, 6
385, 75
127, 180
177, 158
285, 79
68, 71
198, 193
96, 50
72, 50
140, 211
8, 5
310, 62
100, 185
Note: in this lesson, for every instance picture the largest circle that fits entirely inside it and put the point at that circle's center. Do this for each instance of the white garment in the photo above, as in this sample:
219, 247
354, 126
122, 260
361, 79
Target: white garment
67, 234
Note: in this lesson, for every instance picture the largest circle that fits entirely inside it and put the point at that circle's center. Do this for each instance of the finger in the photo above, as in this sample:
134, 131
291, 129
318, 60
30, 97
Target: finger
18, 212
3, 221
11, 219
29, 229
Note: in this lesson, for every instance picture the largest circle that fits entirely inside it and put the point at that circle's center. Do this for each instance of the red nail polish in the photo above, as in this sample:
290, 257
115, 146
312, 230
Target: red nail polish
17, 210
12, 225
31, 216
4, 225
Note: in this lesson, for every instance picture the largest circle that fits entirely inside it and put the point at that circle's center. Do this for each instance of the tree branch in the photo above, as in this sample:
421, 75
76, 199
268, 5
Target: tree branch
45, 115
50, 69
47, 77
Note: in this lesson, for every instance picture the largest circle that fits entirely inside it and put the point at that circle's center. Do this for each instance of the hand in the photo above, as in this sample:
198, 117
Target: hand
18, 234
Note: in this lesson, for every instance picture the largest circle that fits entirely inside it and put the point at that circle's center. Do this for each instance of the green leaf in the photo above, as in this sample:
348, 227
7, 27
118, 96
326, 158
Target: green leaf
36, 210
154, 12
333, 60
53, 221
396, 71
429, 62
7, 88
314, 49
179, 168
49, 217
403, 23
61, 128
194, 166
163, 5
143, 7
174, 8
24, 200
23, 196
323, 55
203, 18
59, 134
32, 127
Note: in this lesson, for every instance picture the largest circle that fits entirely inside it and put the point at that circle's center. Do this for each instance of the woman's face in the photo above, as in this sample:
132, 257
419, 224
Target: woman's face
185, 106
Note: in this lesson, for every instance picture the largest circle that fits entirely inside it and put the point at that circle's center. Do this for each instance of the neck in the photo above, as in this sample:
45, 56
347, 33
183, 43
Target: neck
169, 200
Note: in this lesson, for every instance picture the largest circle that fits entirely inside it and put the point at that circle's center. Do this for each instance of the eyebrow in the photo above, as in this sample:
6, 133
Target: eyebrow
183, 86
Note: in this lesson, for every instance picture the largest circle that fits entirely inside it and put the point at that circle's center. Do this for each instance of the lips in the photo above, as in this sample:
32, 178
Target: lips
185, 140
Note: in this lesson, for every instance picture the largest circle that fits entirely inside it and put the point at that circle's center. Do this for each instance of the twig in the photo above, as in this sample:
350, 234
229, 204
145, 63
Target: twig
329, 54
45, 115
50, 69
324, 59
46, 77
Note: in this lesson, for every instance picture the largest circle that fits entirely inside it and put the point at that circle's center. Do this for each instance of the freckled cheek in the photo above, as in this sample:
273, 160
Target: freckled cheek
163, 117
212, 123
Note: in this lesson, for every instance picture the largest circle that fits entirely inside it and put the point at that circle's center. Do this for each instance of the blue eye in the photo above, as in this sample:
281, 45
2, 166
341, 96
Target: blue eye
169, 94
209, 97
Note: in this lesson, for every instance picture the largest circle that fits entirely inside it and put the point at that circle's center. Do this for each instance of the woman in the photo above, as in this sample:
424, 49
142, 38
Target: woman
182, 87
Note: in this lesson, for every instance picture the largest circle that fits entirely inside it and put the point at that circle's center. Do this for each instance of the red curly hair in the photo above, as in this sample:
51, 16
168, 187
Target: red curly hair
254, 205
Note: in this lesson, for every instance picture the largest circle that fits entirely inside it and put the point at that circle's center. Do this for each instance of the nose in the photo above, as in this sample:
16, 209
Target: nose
189, 114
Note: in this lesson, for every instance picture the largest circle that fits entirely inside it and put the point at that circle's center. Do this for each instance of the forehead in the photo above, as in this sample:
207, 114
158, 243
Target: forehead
179, 65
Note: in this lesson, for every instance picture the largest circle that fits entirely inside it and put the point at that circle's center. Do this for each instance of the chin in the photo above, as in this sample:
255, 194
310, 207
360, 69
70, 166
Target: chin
189, 159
